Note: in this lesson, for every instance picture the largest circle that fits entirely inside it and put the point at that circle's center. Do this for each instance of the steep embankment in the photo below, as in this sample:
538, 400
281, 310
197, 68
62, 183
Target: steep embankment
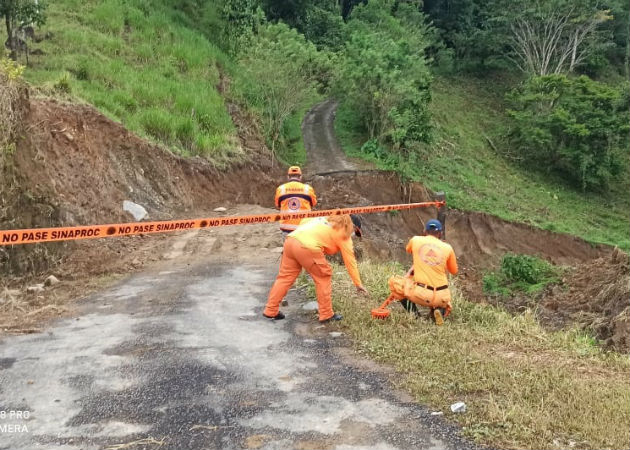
74, 166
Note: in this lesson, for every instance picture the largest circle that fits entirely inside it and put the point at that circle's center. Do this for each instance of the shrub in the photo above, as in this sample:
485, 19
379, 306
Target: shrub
185, 133
520, 273
82, 71
12, 97
575, 126
525, 268
281, 75
62, 85
383, 74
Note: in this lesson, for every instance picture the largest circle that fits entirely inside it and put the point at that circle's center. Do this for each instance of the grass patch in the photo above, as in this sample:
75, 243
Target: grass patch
145, 65
524, 387
466, 114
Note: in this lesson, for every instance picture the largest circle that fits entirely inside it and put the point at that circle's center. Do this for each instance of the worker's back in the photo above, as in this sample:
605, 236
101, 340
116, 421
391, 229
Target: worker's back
431, 260
318, 234
292, 197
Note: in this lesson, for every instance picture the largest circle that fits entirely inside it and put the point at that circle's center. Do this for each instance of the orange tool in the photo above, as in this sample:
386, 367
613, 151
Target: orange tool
382, 312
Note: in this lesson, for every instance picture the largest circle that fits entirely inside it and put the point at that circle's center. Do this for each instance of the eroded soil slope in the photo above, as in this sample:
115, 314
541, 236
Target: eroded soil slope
76, 167
478, 239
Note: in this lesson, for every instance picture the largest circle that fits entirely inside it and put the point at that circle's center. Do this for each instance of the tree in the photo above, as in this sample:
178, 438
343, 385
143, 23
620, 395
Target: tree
383, 75
282, 72
240, 20
19, 14
292, 12
551, 36
324, 27
468, 31
575, 126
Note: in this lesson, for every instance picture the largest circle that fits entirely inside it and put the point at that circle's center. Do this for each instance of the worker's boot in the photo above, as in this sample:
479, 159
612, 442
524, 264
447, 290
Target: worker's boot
438, 316
278, 316
334, 318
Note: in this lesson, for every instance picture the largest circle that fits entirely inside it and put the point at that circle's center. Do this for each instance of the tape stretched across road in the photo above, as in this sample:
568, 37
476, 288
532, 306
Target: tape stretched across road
35, 235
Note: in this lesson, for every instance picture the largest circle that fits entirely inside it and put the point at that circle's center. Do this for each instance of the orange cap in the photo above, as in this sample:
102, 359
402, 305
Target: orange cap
294, 170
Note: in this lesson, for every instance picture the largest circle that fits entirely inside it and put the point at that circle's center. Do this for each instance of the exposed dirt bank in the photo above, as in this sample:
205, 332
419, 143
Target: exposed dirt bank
75, 167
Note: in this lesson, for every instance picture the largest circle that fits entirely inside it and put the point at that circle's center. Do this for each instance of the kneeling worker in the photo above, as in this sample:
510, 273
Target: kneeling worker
426, 283
306, 248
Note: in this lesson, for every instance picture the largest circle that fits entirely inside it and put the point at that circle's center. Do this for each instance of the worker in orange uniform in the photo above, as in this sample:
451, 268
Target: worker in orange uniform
294, 196
306, 248
432, 258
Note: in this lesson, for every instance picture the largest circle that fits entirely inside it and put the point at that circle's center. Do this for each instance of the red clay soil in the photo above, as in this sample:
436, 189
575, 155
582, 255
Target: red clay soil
479, 239
74, 166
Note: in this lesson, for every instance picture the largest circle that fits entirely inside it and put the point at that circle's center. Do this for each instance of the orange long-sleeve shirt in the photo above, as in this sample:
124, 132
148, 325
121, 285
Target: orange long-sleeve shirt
294, 197
319, 235
431, 259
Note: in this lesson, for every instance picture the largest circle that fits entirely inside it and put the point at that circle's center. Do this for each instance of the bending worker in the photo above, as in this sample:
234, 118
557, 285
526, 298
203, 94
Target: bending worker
306, 248
426, 283
294, 196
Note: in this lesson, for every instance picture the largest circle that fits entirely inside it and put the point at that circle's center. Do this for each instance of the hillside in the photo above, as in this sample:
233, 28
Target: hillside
144, 65
161, 72
472, 162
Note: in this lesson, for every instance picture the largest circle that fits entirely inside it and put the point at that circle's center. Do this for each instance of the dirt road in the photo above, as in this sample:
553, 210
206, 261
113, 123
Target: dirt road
179, 357
324, 154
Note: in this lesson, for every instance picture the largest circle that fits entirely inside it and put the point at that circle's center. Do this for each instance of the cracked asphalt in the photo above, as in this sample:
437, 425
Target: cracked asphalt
182, 359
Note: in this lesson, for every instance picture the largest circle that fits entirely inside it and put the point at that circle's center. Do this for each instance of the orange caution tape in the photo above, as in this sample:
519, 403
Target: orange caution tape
35, 235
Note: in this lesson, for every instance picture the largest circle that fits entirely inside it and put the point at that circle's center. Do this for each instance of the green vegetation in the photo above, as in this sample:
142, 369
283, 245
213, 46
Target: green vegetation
524, 387
297, 68
540, 37
520, 273
575, 126
468, 117
143, 64
11, 110
383, 75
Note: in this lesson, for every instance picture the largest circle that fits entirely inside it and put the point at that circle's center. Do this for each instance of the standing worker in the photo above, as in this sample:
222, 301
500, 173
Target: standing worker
426, 283
306, 248
294, 196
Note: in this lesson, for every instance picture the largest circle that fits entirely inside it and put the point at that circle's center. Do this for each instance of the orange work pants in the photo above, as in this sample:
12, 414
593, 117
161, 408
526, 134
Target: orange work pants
406, 287
294, 259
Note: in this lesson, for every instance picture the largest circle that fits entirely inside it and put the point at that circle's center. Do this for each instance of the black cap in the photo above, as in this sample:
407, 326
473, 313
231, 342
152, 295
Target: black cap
356, 221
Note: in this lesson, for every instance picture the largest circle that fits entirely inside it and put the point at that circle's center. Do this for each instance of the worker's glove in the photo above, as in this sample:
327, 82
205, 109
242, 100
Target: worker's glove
362, 290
